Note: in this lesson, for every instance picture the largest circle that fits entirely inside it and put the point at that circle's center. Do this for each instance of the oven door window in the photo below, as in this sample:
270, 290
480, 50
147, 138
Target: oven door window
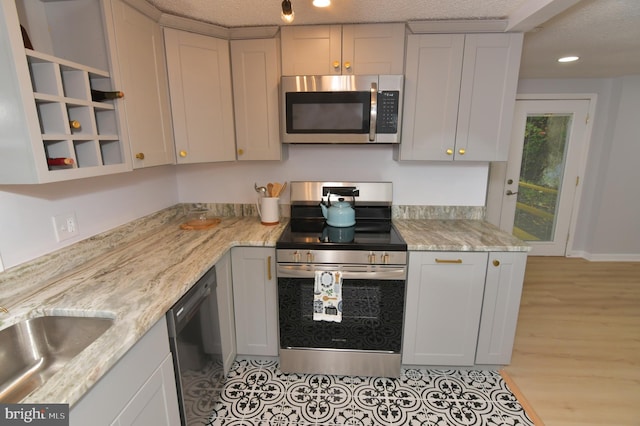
328, 112
372, 314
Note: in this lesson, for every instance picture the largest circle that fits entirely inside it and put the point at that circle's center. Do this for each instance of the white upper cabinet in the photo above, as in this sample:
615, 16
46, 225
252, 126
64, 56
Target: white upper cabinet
201, 99
459, 96
256, 78
47, 115
139, 71
343, 49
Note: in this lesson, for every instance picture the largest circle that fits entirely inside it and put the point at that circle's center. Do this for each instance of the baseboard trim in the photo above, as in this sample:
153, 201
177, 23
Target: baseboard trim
608, 257
521, 399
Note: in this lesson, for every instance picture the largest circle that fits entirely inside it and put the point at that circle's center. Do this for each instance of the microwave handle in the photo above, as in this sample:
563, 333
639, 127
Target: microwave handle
373, 116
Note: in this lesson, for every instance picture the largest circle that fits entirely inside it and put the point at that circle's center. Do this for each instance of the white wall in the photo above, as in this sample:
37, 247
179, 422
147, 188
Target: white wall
101, 203
607, 225
414, 183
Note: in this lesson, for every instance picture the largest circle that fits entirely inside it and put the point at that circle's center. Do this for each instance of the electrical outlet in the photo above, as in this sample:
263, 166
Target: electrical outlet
65, 226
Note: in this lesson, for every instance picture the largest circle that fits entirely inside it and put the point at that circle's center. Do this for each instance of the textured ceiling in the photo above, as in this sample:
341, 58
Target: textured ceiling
604, 33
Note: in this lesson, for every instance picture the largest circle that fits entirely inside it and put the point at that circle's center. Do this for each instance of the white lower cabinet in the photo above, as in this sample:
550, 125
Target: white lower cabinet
255, 300
462, 307
503, 289
443, 306
139, 390
224, 292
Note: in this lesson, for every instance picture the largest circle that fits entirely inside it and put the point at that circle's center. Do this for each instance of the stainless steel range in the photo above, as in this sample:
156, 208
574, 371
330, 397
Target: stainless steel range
341, 287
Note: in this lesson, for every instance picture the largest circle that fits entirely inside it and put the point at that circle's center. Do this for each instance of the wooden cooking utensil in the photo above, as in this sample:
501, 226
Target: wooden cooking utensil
269, 189
277, 188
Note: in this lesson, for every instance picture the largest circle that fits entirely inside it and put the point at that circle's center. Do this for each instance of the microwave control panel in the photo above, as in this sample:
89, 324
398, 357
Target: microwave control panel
388, 105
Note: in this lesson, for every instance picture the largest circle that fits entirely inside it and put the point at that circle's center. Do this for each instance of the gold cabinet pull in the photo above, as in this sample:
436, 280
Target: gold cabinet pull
240, 151
448, 260
269, 268
449, 152
461, 151
140, 156
347, 65
336, 65
496, 262
183, 154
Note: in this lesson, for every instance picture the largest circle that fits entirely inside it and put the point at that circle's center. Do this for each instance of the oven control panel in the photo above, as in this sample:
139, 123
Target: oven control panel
357, 257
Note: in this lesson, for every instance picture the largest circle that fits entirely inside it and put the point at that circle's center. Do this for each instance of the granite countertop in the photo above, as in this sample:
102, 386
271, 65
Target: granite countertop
456, 235
136, 272
133, 275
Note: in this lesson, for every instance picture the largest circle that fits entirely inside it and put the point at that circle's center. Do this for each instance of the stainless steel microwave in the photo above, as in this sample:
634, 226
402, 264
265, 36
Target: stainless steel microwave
341, 108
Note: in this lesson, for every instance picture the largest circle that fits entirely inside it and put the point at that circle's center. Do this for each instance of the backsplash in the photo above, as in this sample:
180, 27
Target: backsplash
438, 212
397, 212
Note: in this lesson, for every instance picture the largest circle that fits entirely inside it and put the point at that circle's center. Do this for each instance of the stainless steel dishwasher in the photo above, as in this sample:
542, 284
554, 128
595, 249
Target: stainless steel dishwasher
194, 337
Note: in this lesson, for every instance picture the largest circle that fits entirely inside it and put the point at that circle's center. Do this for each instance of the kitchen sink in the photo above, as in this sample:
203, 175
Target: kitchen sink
32, 350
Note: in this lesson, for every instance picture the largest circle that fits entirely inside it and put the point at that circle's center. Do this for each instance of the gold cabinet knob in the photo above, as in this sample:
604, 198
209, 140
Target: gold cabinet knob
240, 151
140, 156
449, 152
336, 65
347, 65
496, 262
183, 154
461, 151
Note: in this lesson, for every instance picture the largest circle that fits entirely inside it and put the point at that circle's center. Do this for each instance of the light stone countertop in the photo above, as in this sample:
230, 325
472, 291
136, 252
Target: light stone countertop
133, 275
136, 272
456, 235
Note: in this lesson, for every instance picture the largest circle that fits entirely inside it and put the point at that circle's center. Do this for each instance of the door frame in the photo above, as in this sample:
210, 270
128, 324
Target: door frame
497, 170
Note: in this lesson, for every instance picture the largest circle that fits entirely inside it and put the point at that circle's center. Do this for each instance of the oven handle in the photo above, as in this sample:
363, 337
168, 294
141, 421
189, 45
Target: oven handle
370, 272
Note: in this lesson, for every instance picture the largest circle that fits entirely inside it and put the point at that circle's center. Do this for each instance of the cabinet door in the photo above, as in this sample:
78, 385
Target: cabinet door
139, 389
155, 402
432, 89
373, 49
444, 298
311, 50
201, 100
226, 316
256, 78
487, 96
255, 300
140, 72
503, 289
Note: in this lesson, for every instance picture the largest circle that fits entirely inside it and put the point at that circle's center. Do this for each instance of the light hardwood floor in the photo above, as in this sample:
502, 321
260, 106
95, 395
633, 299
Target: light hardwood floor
577, 351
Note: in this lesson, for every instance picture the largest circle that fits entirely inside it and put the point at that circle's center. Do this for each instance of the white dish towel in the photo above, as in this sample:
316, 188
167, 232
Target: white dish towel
327, 296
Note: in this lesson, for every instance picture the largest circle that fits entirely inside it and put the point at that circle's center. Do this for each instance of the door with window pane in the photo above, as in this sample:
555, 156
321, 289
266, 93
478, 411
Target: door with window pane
542, 172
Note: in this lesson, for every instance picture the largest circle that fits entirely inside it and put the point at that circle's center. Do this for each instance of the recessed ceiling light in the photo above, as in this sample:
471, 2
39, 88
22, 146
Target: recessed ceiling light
321, 3
568, 59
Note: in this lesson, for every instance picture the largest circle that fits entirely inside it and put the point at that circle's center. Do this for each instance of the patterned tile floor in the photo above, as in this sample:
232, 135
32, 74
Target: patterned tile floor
258, 393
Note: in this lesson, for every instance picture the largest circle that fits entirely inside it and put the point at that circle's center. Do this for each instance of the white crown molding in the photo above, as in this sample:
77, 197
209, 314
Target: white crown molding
191, 25
146, 8
458, 26
253, 32
199, 27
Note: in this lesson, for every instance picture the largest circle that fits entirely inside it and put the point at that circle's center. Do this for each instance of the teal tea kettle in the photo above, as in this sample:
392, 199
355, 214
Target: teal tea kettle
339, 214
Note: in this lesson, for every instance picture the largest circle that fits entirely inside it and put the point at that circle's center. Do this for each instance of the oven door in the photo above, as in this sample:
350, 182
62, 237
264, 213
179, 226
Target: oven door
372, 308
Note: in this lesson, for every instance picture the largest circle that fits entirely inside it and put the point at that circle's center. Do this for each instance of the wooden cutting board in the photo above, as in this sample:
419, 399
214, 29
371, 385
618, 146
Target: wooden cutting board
198, 224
